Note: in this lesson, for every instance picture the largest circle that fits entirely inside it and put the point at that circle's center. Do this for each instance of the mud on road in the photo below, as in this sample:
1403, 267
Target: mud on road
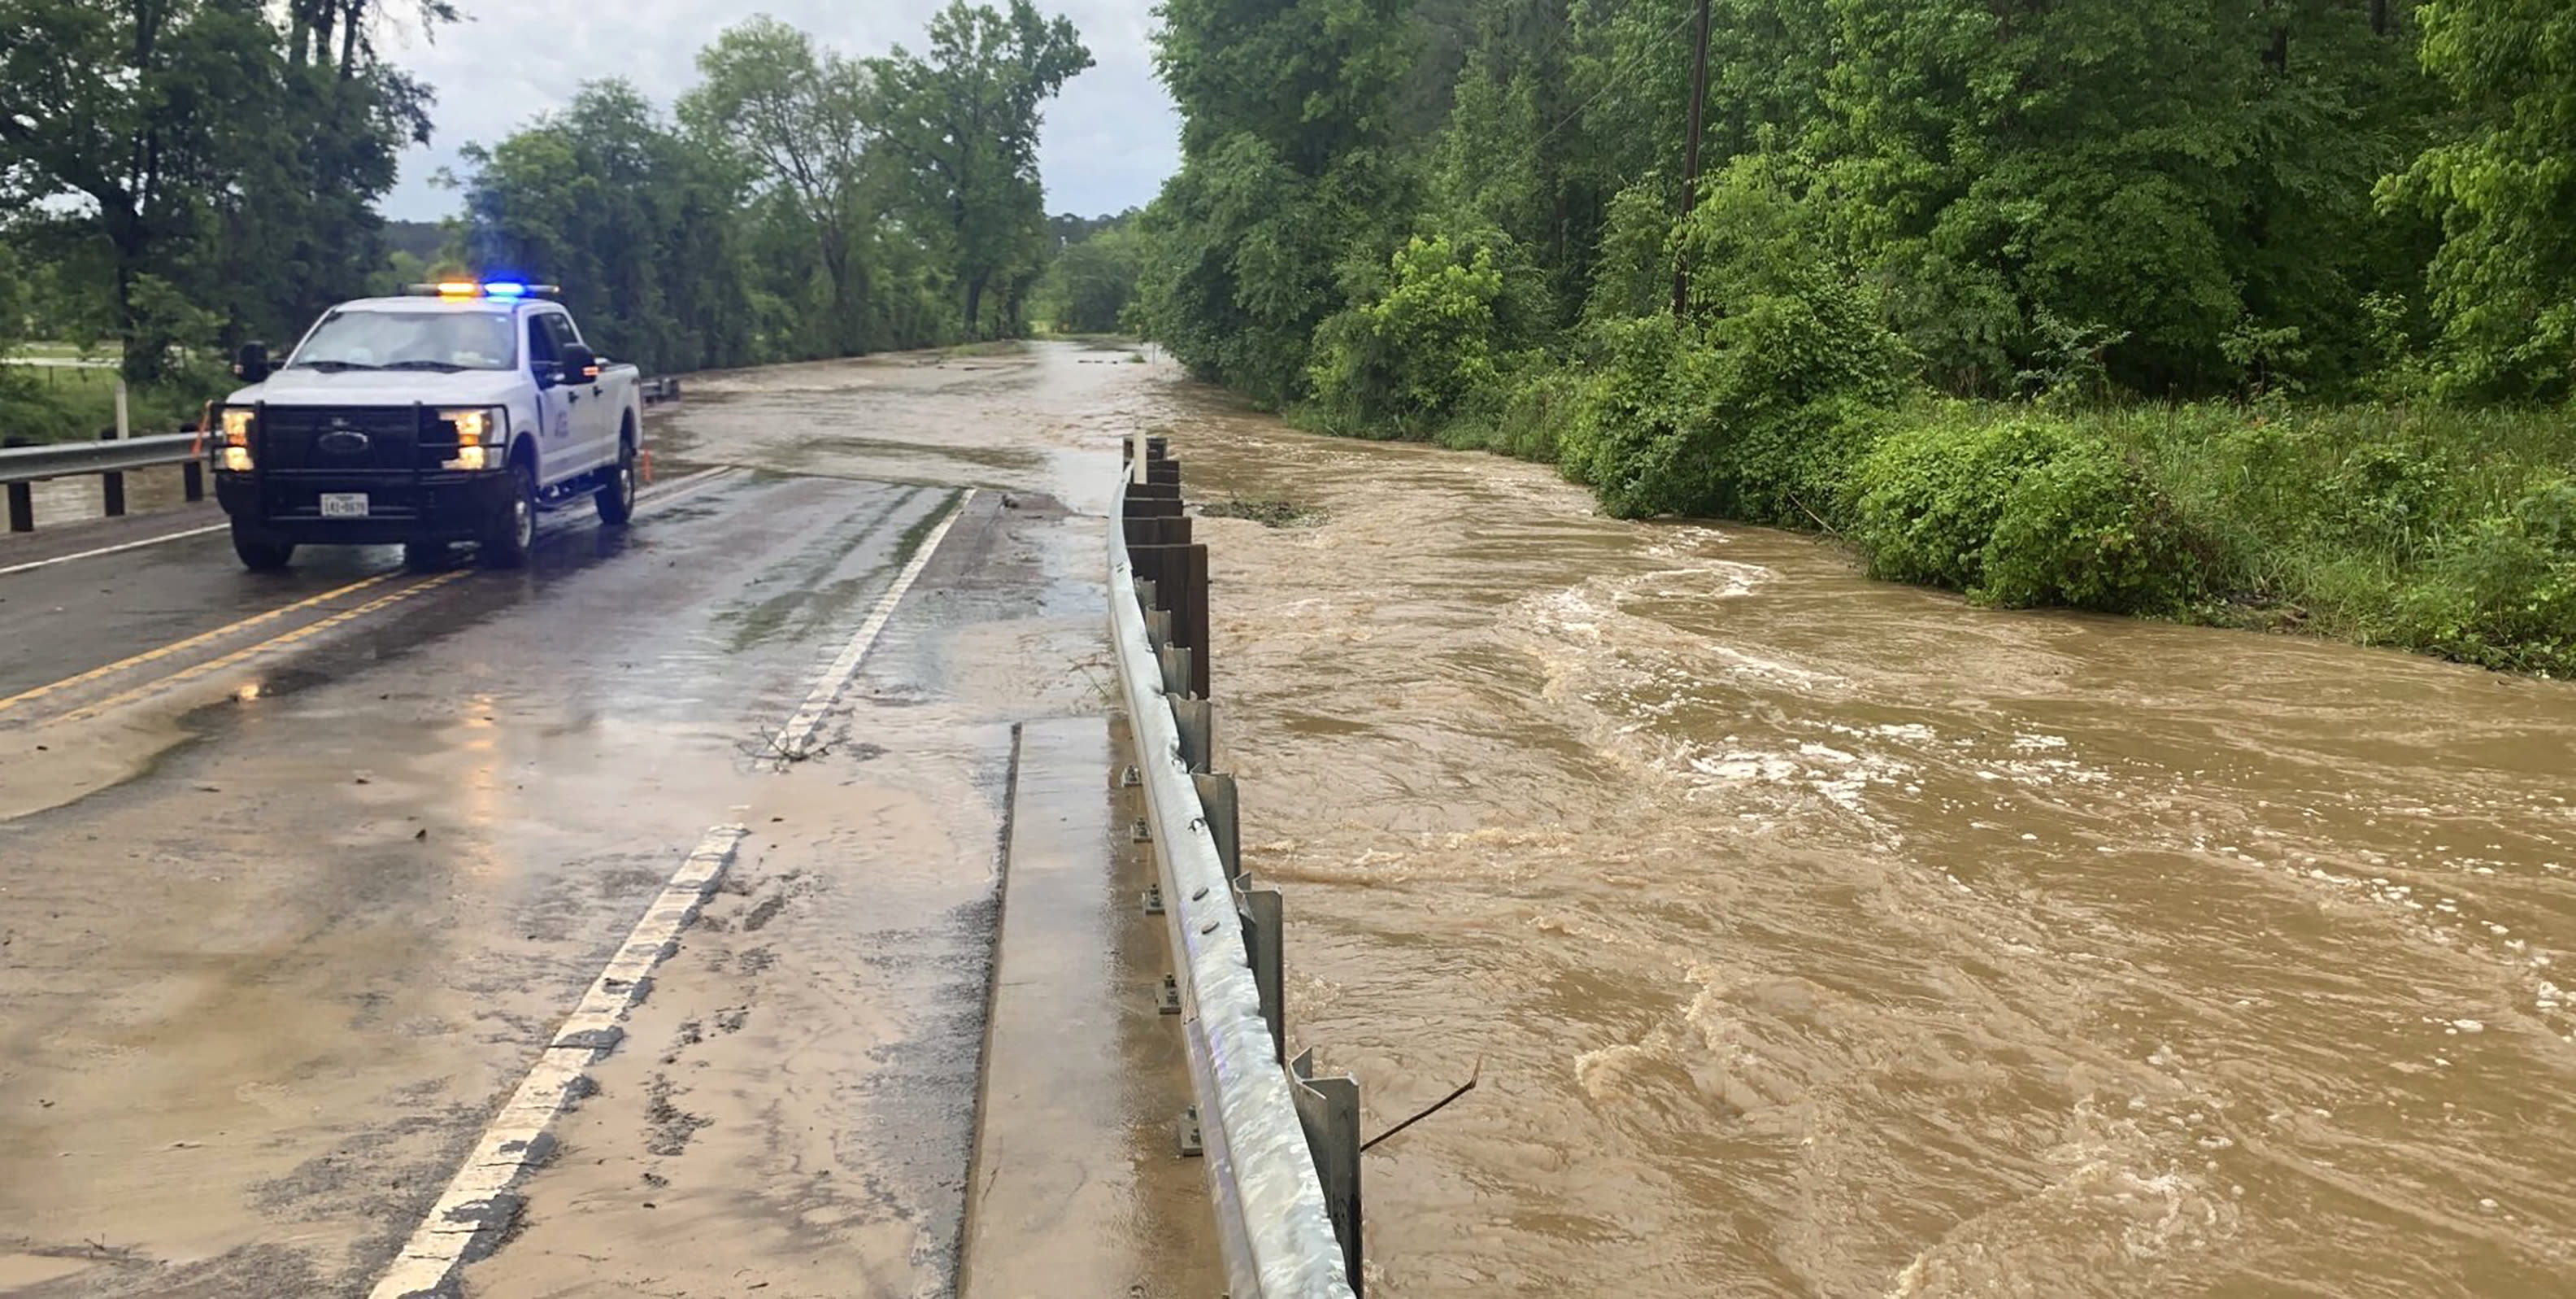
299, 877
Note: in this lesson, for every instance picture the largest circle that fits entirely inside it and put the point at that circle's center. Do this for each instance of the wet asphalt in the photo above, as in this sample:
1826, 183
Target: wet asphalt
299, 873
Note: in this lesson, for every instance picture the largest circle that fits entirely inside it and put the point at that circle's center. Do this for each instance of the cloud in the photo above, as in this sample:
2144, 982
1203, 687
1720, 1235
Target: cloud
1110, 138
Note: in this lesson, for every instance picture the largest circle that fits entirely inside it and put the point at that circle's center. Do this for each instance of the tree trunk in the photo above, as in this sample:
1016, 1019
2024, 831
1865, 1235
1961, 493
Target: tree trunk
975, 305
349, 36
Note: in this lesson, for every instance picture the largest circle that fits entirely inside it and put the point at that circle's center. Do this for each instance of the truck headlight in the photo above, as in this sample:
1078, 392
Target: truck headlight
236, 424
479, 431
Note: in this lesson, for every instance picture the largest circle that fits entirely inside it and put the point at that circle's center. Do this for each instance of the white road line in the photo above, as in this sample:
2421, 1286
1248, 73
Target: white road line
33, 565
476, 1205
836, 676
655, 495
680, 485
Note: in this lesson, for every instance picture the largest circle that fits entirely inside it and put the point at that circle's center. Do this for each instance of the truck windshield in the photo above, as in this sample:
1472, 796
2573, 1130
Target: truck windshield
410, 340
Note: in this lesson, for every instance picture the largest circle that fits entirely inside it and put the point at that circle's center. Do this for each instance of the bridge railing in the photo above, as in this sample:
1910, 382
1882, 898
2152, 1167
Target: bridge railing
1281, 1145
22, 466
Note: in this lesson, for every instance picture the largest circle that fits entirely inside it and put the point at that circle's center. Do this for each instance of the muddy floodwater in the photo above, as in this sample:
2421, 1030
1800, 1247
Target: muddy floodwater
1824, 937
1814, 936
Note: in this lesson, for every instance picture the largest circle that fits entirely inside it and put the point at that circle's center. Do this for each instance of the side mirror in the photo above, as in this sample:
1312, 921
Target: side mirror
580, 364
252, 365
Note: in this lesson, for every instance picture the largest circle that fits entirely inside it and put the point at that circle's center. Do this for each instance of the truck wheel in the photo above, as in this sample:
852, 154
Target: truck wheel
616, 501
514, 531
260, 553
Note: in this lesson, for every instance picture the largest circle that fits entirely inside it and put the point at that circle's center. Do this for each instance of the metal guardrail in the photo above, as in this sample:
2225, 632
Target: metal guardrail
1281, 1145
111, 459
72, 459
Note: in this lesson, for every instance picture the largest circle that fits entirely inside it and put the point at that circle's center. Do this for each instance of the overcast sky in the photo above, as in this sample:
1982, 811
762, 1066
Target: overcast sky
1110, 139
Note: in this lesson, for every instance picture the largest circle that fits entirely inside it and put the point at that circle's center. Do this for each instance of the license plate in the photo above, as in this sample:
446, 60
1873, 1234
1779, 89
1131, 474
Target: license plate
344, 505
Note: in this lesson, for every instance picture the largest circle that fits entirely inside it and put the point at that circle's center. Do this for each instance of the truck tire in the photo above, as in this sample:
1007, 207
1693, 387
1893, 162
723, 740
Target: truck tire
513, 531
260, 552
616, 501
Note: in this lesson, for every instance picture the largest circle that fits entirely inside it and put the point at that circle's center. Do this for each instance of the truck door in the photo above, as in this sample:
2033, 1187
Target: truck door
594, 417
558, 449
563, 444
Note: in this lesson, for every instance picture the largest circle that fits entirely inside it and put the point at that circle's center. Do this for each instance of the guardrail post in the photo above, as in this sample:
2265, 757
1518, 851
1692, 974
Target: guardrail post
1224, 818
1265, 930
1180, 577
1329, 1110
192, 480
22, 507
113, 481
1196, 721
1158, 531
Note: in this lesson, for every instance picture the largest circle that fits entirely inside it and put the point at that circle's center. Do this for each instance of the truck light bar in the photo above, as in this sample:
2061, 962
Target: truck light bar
484, 289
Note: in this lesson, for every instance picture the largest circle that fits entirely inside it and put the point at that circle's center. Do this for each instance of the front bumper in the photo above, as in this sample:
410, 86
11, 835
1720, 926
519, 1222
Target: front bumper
402, 507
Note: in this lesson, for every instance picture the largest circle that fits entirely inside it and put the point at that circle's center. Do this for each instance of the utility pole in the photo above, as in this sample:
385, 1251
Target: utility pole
1690, 156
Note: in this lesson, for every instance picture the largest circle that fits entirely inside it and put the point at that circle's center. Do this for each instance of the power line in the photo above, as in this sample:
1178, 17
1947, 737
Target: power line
1688, 14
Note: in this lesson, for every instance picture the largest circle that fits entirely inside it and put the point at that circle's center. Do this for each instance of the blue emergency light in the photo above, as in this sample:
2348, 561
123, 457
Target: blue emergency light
507, 290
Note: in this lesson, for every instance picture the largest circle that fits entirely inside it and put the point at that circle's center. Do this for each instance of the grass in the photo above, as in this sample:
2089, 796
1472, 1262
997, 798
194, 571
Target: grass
2439, 529
993, 347
62, 404
2446, 530
1267, 513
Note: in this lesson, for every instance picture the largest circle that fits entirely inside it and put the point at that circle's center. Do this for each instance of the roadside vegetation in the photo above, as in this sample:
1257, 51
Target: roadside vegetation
796, 203
1089, 287
2261, 316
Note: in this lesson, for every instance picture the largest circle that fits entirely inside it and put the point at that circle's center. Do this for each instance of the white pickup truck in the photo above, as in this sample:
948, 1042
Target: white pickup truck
455, 415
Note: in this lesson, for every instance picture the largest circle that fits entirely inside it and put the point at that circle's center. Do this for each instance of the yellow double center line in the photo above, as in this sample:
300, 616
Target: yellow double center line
183, 646
277, 642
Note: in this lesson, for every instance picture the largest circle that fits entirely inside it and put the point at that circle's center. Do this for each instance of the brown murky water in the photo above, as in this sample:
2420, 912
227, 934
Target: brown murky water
58, 501
1819, 936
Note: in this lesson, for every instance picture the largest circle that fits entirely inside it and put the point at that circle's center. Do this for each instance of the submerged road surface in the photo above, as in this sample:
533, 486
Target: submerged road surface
623, 926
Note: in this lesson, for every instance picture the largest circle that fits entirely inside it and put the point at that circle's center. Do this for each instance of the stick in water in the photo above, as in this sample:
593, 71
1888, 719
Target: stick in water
1436, 1107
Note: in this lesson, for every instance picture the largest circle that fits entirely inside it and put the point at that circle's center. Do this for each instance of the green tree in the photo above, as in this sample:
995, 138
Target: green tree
641, 229
1091, 281
191, 154
964, 118
2504, 190
1287, 171
793, 114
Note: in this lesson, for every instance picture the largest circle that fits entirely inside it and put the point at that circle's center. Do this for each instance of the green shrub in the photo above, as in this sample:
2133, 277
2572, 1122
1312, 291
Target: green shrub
1757, 415
1413, 356
2085, 530
1522, 415
2502, 593
2020, 512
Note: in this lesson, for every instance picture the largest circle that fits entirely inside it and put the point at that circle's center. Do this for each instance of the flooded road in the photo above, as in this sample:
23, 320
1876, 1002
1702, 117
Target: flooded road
622, 925
1815, 936
1825, 937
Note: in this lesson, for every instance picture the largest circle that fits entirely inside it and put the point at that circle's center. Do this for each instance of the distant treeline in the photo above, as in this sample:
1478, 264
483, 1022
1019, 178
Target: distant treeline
797, 202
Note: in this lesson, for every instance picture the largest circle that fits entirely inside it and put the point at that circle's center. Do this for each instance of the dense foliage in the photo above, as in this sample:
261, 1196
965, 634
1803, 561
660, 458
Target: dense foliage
1939, 247
178, 177
1090, 280
804, 204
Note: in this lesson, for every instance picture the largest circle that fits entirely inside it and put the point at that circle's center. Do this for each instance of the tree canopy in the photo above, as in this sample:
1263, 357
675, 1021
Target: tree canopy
2197, 198
183, 175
